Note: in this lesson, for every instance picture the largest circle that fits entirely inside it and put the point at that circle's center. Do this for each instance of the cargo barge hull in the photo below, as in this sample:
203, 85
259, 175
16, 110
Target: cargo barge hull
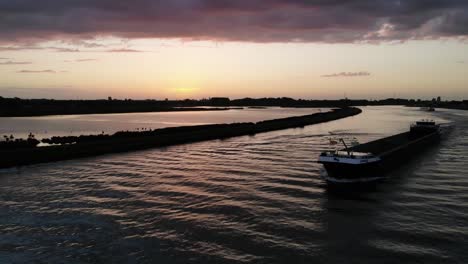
372, 161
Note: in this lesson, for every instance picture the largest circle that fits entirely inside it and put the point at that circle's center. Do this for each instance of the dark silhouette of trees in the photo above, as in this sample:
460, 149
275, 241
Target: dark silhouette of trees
36, 107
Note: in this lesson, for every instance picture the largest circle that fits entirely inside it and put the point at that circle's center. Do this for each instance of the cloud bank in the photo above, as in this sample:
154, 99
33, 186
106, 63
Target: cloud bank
330, 21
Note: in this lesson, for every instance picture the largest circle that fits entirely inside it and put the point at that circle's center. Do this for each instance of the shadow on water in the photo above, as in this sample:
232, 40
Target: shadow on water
386, 182
396, 175
354, 213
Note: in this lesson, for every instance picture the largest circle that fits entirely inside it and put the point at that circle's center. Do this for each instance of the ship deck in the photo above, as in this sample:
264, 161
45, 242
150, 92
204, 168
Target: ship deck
383, 145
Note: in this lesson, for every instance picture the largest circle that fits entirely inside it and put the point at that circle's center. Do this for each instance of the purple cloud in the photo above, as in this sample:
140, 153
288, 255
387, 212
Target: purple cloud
241, 20
347, 74
59, 49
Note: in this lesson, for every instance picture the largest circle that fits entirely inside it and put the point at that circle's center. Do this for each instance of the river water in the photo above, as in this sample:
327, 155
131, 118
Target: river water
252, 199
75, 125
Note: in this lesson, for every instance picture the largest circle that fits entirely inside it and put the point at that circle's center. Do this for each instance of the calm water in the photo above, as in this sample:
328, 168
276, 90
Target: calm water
253, 199
47, 126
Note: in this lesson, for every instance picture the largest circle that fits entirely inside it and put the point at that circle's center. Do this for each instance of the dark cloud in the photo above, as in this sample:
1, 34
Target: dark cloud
82, 43
36, 71
347, 74
241, 20
15, 62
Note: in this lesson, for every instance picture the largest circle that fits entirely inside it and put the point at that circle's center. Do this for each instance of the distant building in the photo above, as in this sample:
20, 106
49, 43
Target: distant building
220, 101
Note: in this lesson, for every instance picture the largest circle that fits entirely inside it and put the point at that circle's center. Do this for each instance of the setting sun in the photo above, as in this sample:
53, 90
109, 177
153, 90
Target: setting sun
185, 91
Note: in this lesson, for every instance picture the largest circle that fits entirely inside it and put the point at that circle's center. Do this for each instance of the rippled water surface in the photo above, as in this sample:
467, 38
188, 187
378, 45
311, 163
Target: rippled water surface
253, 199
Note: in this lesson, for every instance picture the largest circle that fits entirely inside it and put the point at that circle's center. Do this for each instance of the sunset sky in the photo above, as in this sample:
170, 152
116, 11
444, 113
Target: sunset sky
319, 49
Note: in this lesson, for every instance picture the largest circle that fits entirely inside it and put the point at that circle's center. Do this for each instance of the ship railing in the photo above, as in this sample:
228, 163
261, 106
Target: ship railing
424, 122
344, 154
347, 142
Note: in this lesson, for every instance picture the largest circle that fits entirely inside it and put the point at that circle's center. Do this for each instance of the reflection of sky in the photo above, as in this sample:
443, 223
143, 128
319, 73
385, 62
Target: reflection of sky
46, 126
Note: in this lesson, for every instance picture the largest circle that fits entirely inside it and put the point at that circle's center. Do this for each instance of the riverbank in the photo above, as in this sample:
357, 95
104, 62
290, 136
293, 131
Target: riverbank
460, 106
17, 107
129, 141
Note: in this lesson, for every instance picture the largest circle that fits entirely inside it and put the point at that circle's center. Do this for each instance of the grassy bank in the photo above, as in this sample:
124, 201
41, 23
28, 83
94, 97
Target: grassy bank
128, 141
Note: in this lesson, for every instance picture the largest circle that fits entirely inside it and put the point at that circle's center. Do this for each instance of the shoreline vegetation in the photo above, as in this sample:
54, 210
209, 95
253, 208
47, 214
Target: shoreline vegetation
16, 107
65, 148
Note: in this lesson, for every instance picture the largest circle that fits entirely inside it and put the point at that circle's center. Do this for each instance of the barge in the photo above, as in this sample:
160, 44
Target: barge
370, 161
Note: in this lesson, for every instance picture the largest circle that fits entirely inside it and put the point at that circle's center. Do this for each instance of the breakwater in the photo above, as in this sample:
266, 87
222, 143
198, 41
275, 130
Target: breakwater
95, 107
86, 146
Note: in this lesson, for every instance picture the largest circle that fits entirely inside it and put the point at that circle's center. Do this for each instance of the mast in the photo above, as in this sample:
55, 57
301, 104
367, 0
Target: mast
346, 146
